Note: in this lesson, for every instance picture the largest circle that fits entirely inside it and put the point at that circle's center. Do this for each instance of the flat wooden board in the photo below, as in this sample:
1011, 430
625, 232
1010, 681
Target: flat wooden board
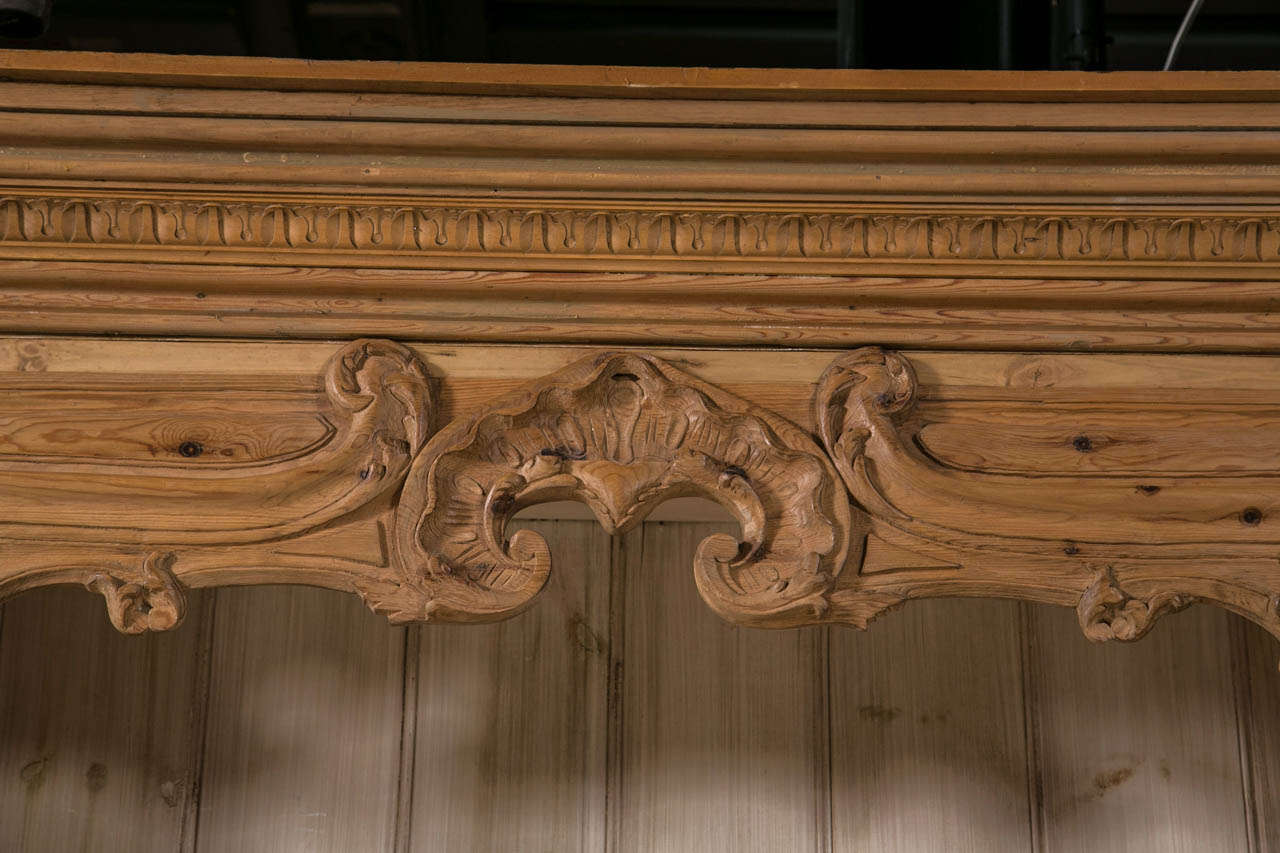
722, 728
303, 743
927, 738
1138, 745
100, 731
1259, 685
510, 750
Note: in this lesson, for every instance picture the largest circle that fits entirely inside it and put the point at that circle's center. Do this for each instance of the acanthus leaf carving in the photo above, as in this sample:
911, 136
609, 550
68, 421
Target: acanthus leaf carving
621, 433
147, 599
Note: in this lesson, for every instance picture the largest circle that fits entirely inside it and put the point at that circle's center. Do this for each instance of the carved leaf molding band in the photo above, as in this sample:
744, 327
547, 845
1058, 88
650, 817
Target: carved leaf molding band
450, 229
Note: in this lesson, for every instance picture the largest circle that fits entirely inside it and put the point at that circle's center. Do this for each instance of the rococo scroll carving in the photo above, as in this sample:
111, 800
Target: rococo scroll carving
621, 433
148, 599
223, 521
1107, 612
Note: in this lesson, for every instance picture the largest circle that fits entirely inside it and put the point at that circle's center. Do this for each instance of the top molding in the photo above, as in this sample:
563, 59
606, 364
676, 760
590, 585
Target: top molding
465, 78
974, 209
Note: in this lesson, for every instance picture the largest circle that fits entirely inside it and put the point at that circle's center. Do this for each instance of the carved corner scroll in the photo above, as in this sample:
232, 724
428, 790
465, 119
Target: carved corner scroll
1125, 552
138, 531
620, 433
377, 403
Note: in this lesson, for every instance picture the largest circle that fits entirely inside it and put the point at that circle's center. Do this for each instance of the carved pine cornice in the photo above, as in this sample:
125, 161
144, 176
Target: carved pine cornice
357, 228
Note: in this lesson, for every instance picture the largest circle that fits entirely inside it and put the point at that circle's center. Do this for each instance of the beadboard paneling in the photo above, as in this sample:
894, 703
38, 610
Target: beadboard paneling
1137, 744
723, 728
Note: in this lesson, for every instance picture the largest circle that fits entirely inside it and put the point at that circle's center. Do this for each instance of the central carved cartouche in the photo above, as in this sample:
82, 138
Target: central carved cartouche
620, 433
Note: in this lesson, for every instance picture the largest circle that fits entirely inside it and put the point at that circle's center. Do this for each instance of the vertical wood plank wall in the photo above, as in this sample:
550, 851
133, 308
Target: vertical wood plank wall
619, 714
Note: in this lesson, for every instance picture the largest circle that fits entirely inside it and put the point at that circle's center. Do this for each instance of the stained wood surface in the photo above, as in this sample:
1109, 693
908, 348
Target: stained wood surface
100, 734
1137, 747
723, 728
927, 732
510, 724
303, 735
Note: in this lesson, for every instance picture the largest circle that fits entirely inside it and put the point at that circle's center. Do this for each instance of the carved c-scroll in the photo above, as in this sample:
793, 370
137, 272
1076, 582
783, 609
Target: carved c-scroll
621, 433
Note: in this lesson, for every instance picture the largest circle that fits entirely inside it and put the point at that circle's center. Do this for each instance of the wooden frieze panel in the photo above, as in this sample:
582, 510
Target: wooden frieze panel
1103, 482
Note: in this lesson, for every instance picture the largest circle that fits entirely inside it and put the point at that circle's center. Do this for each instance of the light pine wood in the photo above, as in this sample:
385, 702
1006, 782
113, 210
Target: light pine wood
723, 729
100, 743
303, 739
511, 734
1137, 747
927, 735
928, 747
1030, 318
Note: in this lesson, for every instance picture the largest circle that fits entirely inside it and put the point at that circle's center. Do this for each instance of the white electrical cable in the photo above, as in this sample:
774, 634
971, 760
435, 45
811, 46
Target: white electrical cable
1187, 19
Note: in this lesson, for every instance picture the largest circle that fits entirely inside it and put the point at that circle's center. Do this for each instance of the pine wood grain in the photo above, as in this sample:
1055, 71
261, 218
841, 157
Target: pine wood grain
927, 741
1137, 746
303, 742
723, 728
99, 733
510, 748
